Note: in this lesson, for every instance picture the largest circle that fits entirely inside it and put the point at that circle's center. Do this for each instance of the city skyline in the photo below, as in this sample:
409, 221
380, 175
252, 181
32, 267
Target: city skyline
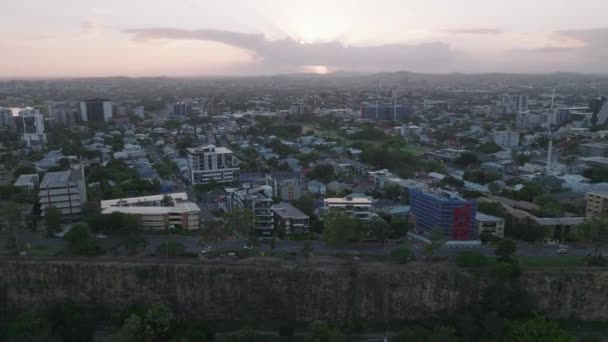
193, 38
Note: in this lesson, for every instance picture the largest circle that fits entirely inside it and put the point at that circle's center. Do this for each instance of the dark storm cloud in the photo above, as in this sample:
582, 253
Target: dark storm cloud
289, 52
479, 31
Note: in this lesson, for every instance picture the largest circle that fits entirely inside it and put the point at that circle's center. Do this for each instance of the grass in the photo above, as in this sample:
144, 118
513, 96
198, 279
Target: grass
554, 261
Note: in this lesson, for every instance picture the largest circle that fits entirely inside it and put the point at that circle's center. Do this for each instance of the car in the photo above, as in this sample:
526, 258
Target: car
59, 235
562, 251
563, 247
101, 236
206, 250
247, 247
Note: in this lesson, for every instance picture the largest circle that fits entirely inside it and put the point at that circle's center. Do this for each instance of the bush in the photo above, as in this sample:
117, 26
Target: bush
402, 255
471, 259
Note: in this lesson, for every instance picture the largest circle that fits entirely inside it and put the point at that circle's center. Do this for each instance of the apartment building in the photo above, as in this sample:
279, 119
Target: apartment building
490, 224
209, 164
445, 211
258, 200
597, 203
359, 207
294, 220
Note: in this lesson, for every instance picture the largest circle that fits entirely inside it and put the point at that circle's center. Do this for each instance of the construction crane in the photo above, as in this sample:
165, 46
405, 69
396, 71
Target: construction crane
549, 134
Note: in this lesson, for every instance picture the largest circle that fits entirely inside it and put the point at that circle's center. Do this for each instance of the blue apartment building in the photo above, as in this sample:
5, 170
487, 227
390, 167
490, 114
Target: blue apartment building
445, 211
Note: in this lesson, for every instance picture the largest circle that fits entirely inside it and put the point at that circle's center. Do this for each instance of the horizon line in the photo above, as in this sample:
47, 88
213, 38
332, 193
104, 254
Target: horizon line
329, 74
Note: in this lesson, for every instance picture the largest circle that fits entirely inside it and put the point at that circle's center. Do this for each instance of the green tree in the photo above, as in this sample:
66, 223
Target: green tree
402, 255
392, 191
399, 227
594, 231
489, 148
239, 221
537, 329
380, 229
437, 241
135, 242
52, 218
322, 172
505, 250
158, 323
339, 228
306, 204
81, 241
471, 259
213, 231
466, 159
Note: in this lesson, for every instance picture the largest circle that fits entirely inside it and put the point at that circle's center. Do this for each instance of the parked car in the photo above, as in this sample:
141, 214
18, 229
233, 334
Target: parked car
206, 250
101, 236
59, 235
562, 251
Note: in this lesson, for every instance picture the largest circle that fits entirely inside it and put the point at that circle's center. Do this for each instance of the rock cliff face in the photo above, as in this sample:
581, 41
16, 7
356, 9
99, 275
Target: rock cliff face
271, 292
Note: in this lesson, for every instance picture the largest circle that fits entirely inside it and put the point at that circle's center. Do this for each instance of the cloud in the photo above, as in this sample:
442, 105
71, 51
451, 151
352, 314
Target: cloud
477, 31
580, 50
91, 25
289, 52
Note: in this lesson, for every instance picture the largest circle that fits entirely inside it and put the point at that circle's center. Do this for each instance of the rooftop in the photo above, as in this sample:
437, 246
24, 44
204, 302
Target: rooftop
53, 179
287, 210
487, 218
182, 207
25, 180
182, 196
346, 200
208, 149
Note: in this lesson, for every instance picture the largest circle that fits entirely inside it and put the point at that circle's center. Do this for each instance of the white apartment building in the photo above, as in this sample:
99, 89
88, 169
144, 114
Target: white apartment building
64, 190
30, 124
360, 208
259, 201
406, 131
506, 139
154, 214
212, 164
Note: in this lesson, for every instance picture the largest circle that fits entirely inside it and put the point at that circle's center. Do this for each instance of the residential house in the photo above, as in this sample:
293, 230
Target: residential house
317, 187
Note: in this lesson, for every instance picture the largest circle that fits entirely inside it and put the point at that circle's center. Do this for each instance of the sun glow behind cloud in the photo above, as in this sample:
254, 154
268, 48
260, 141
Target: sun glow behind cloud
315, 69
316, 21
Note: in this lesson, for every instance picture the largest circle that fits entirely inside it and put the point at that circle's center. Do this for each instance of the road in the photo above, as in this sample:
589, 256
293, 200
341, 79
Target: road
194, 244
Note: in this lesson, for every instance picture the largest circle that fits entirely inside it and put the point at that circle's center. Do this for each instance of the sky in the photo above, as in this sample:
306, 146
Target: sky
83, 38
